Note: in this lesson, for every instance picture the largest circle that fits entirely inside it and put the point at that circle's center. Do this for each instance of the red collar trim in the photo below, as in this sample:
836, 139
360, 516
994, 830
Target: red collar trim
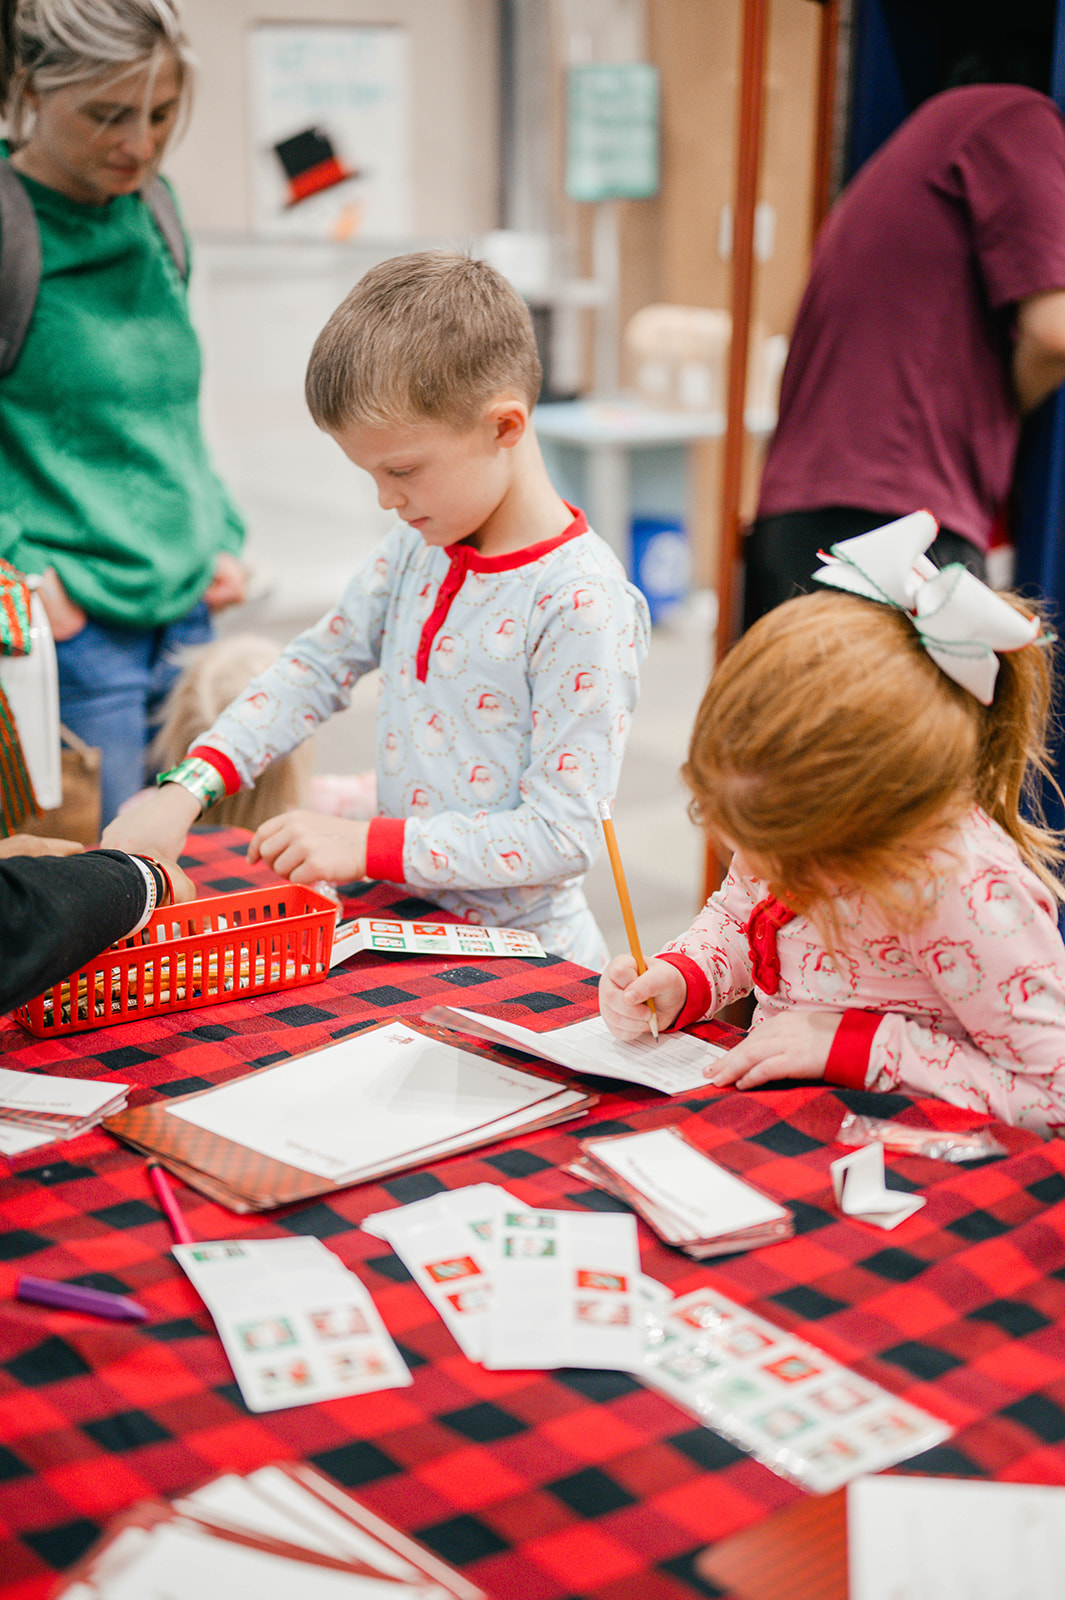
473, 561
463, 558
763, 925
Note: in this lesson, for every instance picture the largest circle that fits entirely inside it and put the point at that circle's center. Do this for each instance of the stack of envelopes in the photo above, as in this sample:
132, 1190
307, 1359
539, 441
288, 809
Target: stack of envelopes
688, 1199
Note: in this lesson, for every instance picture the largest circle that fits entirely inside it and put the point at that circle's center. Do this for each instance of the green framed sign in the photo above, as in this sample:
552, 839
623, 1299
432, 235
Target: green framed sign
612, 132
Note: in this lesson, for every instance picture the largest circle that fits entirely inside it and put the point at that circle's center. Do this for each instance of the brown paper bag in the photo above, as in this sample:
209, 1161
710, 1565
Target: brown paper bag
78, 816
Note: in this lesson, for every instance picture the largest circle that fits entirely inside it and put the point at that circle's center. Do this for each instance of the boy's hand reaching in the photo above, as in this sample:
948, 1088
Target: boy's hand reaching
623, 996
306, 847
795, 1044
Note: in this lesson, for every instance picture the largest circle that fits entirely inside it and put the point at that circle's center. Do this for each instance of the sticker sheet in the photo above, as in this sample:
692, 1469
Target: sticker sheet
296, 1325
445, 1243
522, 1288
430, 939
791, 1406
566, 1290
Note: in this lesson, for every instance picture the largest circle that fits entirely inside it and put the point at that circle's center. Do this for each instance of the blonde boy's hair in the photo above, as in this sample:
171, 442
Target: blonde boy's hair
833, 753
213, 675
433, 336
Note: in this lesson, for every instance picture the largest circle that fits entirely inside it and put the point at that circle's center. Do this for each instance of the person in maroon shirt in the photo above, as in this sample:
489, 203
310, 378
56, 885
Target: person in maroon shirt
933, 320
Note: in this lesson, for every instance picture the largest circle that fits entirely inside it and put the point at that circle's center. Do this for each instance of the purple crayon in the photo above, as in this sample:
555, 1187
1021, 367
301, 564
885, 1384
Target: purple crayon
73, 1297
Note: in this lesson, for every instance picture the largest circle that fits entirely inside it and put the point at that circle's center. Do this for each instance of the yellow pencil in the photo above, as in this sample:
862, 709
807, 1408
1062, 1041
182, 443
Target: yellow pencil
623, 898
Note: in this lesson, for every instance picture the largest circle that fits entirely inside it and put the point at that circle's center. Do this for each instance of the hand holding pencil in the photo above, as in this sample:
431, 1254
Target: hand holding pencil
639, 1010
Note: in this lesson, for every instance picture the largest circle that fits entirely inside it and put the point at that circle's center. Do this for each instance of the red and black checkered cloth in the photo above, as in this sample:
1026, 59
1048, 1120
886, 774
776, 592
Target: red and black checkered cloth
570, 1485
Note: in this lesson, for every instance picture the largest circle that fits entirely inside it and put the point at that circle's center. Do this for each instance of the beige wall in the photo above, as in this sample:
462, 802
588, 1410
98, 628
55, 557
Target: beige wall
454, 140
670, 245
671, 250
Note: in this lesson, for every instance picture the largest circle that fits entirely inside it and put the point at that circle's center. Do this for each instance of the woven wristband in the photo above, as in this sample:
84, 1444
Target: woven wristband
199, 778
167, 880
152, 886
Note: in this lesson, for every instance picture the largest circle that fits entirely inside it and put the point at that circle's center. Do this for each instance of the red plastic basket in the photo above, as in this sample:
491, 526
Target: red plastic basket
199, 954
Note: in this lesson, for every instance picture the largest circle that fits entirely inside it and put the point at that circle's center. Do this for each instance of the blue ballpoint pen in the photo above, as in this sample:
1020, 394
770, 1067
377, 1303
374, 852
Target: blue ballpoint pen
75, 1297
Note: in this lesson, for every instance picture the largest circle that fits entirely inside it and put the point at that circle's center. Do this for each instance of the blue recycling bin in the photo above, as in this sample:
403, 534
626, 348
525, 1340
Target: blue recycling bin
661, 563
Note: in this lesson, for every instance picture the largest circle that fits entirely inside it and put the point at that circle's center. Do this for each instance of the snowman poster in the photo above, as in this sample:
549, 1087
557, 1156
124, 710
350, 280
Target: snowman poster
330, 126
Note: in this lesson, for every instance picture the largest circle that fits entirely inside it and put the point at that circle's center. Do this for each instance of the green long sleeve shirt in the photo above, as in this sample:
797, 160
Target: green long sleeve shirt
104, 473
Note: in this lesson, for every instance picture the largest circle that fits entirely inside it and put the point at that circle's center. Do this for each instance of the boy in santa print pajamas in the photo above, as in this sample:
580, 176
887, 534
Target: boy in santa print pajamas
508, 638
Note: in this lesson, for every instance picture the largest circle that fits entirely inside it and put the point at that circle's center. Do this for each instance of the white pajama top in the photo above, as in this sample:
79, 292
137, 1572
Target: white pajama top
507, 687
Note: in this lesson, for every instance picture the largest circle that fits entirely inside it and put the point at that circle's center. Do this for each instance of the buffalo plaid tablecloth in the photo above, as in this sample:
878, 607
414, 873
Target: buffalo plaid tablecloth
571, 1485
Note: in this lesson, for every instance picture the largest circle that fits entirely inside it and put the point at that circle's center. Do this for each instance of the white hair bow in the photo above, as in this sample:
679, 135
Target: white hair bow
962, 623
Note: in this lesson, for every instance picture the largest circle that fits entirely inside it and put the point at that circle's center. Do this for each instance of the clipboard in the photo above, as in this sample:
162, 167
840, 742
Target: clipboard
244, 1180
799, 1553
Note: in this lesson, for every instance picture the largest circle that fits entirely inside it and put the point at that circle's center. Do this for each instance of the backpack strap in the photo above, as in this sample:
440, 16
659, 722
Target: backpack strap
20, 254
160, 202
20, 266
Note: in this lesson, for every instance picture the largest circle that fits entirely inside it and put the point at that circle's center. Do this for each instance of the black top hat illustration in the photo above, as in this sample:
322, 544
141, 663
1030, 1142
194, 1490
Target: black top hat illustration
311, 164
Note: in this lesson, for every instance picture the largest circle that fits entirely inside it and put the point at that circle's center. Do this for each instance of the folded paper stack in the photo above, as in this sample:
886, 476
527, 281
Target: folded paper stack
282, 1531
37, 1108
689, 1200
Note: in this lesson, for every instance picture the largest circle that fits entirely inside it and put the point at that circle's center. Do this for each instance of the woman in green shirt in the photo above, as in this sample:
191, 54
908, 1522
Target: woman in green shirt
106, 488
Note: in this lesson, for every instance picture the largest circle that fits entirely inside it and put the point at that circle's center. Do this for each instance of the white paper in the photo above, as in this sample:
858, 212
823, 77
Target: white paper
940, 1539
860, 1189
365, 1101
675, 1064
270, 1502
284, 1493
296, 1325
675, 1176
75, 1098
15, 1139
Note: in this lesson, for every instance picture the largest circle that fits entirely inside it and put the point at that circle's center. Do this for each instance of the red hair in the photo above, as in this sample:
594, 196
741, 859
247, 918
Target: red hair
833, 753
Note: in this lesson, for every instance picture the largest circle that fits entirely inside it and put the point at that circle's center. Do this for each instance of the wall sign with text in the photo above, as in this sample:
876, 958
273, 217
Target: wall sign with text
612, 132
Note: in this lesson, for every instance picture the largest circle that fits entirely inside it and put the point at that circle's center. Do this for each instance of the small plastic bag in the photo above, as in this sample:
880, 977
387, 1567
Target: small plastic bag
938, 1144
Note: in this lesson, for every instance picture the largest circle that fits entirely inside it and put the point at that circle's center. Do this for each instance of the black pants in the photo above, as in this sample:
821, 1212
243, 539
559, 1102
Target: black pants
781, 552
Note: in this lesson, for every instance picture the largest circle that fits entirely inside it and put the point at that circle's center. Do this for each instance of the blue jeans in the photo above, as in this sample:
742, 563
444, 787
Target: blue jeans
112, 683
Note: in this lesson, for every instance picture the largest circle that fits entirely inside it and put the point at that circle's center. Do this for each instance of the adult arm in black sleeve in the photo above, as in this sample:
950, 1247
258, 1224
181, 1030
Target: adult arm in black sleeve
57, 912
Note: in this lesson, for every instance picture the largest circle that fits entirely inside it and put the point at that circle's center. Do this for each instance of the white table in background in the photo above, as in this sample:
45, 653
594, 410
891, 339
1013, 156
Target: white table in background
607, 432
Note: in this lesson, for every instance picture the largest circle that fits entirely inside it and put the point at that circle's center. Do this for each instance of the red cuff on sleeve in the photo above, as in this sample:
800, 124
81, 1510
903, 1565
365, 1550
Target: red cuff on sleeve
221, 764
384, 848
699, 995
848, 1059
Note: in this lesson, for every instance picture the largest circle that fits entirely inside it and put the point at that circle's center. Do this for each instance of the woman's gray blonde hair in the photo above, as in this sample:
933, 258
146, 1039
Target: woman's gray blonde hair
55, 44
